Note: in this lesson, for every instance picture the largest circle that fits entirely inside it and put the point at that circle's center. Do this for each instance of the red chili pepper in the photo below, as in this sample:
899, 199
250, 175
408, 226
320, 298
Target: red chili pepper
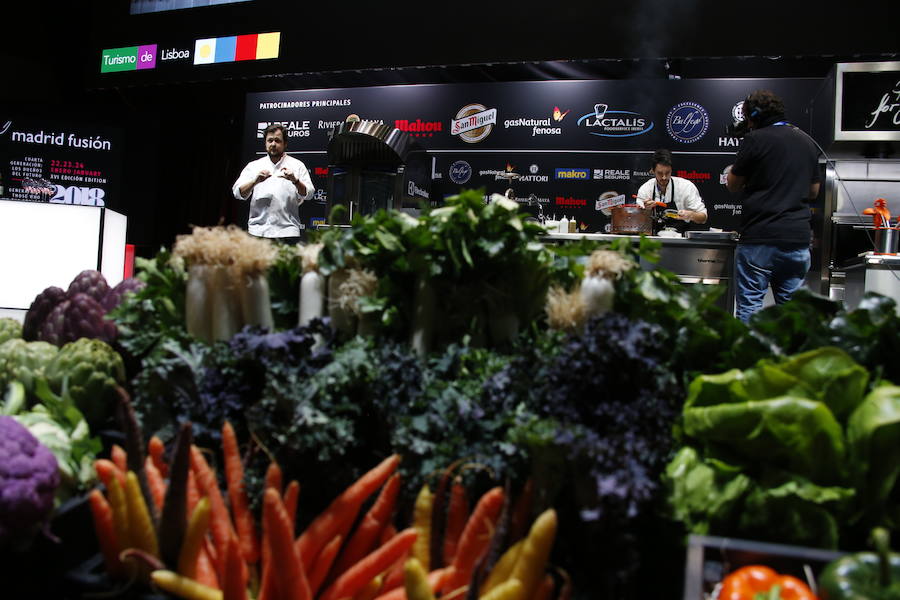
758, 581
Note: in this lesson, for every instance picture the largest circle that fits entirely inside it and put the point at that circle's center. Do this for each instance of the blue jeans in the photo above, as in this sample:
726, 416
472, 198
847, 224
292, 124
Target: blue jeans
759, 265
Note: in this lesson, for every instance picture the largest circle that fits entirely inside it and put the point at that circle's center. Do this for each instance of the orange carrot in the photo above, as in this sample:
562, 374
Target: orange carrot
475, 539
291, 582
237, 494
106, 532
323, 562
435, 578
206, 569
220, 522
156, 483
193, 492
366, 535
386, 534
273, 477
106, 470
457, 513
234, 587
343, 510
157, 451
119, 457
291, 498
394, 578
360, 574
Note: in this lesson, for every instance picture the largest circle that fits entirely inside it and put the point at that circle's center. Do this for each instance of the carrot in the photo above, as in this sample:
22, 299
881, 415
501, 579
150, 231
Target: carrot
237, 494
234, 586
544, 590
156, 483
106, 533
457, 514
291, 498
175, 510
291, 582
183, 587
206, 569
415, 581
435, 578
511, 589
119, 457
119, 507
193, 492
357, 576
106, 470
140, 525
343, 510
273, 477
134, 446
366, 535
387, 532
393, 578
565, 589
475, 538
532, 561
503, 568
371, 589
220, 522
193, 539
323, 562
157, 451
421, 550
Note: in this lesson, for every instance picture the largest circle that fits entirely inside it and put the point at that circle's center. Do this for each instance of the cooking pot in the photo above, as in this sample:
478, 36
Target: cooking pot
886, 240
631, 219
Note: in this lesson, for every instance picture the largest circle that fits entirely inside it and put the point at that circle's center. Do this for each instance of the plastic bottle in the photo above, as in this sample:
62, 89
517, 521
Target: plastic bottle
573, 225
564, 225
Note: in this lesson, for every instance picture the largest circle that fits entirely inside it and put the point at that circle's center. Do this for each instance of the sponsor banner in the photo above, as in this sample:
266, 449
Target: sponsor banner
687, 122
59, 161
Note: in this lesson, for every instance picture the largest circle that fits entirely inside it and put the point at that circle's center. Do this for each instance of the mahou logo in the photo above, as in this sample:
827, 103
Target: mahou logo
419, 128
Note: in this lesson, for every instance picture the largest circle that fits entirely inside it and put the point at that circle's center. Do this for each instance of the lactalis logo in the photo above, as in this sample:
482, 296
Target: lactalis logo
132, 58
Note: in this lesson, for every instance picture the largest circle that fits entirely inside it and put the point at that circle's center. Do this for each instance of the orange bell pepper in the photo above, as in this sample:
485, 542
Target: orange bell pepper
755, 582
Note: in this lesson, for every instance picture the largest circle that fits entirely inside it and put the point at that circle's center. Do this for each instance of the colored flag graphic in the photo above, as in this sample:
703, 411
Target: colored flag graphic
254, 46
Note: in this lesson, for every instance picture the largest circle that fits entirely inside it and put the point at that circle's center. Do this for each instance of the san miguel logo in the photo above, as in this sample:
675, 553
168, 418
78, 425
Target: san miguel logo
614, 123
687, 122
419, 128
473, 123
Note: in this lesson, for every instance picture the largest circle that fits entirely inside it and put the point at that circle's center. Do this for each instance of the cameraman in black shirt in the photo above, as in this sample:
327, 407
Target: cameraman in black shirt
776, 172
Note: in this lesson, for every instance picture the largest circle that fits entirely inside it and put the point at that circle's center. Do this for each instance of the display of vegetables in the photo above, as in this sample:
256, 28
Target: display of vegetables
863, 575
759, 581
9, 329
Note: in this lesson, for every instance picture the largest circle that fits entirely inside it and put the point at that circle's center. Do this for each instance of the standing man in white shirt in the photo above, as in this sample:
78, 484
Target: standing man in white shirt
276, 185
677, 191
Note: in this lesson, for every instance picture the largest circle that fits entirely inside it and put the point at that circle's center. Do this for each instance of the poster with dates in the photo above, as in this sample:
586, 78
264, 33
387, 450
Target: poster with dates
569, 142
58, 161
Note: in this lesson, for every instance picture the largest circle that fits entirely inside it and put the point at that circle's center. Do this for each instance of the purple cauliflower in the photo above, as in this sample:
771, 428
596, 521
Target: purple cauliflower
42, 305
114, 297
79, 316
89, 282
29, 476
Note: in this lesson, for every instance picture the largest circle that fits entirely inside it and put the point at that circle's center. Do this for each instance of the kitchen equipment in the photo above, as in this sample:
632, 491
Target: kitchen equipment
631, 219
886, 237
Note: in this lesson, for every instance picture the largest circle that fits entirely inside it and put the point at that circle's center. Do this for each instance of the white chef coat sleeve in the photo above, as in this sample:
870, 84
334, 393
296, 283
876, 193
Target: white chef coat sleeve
247, 175
306, 180
645, 192
692, 200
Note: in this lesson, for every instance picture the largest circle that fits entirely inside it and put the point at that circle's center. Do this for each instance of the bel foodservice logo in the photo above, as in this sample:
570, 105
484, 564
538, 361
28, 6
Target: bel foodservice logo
614, 123
687, 122
473, 123
460, 172
130, 58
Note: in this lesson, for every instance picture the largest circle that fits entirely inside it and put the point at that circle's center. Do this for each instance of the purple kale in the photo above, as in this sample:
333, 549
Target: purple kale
89, 282
37, 313
79, 316
29, 476
114, 296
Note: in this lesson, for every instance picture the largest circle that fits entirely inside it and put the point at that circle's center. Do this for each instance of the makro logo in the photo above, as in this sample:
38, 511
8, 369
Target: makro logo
419, 128
687, 122
473, 123
460, 172
132, 58
571, 174
615, 123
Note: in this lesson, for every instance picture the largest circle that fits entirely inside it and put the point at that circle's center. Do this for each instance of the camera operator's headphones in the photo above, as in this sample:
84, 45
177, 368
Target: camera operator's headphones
755, 110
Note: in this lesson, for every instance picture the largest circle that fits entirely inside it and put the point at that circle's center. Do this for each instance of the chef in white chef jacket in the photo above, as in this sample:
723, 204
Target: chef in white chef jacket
677, 193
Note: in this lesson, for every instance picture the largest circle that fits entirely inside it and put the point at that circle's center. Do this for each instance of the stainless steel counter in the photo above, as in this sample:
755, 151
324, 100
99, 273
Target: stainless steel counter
694, 260
871, 273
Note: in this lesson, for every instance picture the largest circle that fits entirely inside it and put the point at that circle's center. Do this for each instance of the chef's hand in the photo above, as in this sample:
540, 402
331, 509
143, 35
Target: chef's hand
289, 175
263, 175
686, 215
